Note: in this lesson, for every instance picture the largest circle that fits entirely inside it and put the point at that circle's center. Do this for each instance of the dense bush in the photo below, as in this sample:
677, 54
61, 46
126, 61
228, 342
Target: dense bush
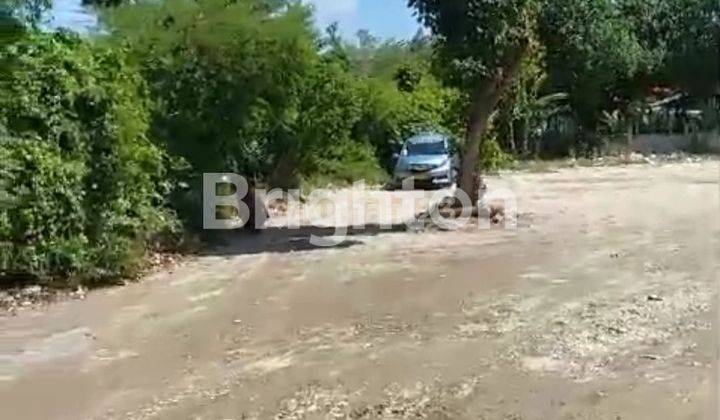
390, 116
43, 216
259, 98
227, 80
85, 186
329, 112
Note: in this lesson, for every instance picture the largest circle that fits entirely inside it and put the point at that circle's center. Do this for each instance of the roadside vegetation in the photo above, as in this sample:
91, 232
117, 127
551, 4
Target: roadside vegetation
105, 135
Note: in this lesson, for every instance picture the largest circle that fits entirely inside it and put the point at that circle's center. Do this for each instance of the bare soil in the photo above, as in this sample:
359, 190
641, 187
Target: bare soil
600, 305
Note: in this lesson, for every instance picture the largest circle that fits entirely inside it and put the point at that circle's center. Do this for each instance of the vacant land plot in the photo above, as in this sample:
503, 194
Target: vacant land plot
601, 305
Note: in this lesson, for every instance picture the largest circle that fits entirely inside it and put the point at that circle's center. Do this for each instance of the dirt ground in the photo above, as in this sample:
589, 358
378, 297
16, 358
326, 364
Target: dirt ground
600, 305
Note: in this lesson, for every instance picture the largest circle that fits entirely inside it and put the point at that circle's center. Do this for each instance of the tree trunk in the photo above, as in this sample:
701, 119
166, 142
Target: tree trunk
537, 146
511, 135
284, 175
525, 138
484, 101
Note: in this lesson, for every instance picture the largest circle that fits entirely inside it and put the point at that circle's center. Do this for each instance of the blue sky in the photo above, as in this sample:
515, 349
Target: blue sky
384, 18
70, 14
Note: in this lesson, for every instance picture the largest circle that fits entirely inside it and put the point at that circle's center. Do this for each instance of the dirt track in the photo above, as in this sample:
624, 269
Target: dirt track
600, 306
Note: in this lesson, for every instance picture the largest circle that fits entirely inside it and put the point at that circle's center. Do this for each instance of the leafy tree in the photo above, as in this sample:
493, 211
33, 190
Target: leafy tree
481, 47
333, 101
227, 76
595, 53
691, 35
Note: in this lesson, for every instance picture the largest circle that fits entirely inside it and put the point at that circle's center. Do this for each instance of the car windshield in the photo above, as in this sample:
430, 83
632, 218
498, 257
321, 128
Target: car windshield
433, 148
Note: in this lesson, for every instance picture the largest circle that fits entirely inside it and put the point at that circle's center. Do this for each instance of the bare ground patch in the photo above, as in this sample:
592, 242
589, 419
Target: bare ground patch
591, 337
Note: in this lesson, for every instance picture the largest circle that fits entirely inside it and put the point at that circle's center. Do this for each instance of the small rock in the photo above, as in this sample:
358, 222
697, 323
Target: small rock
79, 294
654, 298
497, 219
616, 330
31, 291
6, 298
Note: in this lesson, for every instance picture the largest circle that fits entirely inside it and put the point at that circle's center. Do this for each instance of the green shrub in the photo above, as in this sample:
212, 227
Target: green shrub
43, 216
344, 163
87, 186
493, 156
330, 109
391, 116
228, 78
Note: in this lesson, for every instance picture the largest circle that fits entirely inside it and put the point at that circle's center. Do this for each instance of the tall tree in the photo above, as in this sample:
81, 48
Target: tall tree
481, 45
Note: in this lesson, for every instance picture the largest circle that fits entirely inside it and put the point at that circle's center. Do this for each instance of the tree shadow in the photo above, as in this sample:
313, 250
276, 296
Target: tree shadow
280, 240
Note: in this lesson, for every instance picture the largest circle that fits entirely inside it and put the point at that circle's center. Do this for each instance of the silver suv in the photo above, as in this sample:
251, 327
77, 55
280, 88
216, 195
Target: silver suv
429, 160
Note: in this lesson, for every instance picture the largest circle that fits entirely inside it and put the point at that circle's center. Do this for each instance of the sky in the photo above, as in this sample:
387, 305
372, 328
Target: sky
383, 18
70, 14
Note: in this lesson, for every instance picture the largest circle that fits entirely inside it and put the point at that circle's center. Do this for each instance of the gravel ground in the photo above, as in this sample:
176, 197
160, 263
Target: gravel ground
600, 305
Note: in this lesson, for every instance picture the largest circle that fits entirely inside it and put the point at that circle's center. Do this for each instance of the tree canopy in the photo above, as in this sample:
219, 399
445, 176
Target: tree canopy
603, 53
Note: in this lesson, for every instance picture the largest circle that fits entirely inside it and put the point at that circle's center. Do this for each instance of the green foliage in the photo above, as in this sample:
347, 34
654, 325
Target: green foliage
345, 163
11, 28
332, 107
43, 218
256, 97
476, 36
494, 157
391, 116
228, 79
595, 54
407, 78
604, 54
691, 33
529, 106
89, 185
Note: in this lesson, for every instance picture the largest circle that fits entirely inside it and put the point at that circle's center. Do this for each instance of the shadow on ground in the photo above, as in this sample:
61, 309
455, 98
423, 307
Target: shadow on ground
285, 240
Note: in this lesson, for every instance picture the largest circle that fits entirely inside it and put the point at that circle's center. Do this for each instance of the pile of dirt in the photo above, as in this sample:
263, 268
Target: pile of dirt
450, 210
